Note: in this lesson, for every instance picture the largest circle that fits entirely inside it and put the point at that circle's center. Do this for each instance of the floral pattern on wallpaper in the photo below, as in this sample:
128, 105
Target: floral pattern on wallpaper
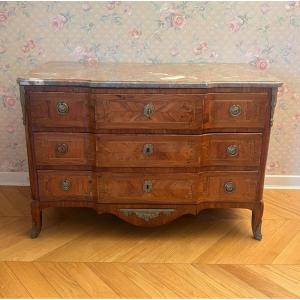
263, 34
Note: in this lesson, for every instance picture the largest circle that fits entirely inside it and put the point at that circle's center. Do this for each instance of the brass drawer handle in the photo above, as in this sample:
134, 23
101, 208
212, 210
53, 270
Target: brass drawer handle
62, 148
229, 187
65, 185
232, 150
235, 110
62, 107
148, 149
149, 110
147, 186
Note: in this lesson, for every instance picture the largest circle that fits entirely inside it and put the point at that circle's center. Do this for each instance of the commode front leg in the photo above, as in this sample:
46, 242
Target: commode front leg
36, 214
257, 214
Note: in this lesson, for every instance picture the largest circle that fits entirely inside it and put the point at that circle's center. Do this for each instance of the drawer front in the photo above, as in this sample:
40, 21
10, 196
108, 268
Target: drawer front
228, 187
231, 150
65, 186
141, 188
235, 110
147, 151
59, 109
148, 111
177, 188
64, 149
209, 150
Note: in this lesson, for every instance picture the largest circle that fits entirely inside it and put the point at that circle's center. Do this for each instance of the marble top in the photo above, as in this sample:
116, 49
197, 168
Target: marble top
149, 75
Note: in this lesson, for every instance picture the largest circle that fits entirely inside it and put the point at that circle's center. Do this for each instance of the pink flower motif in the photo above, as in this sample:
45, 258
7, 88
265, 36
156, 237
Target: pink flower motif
235, 24
80, 52
292, 5
2, 49
261, 64
29, 45
283, 90
111, 5
86, 6
200, 48
177, 20
174, 51
135, 33
272, 165
91, 60
3, 16
9, 101
253, 52
265, 8
297, 117
10, 129
59, 22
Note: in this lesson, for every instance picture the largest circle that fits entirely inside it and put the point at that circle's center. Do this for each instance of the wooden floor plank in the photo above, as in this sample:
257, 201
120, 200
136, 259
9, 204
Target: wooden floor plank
33, 280
10, 286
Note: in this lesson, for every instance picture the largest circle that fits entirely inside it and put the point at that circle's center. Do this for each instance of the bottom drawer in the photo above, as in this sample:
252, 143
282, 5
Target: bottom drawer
66, 186
151, 188
184, 188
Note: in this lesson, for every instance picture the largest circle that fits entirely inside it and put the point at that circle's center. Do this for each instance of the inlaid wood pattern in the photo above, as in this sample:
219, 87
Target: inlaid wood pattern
166, 111
80, 254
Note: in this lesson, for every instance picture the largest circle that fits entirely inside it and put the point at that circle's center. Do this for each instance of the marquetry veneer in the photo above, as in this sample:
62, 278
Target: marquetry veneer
147, 154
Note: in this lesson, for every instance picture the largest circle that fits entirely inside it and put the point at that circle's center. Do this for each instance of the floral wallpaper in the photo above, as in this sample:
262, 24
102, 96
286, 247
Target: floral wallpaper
265, 34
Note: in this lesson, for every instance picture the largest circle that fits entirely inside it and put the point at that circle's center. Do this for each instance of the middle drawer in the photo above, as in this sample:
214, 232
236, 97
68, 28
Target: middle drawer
140, 150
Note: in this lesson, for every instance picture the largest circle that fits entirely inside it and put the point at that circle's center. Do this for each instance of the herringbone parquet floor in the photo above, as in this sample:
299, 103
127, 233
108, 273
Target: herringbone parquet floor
213, 255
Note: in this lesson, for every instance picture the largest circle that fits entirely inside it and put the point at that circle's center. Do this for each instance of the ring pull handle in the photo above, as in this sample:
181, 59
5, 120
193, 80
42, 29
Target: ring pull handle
229, 187
62, 148
235, 110
147, 186
65, 185
149, 110
232, 150
62, 107
148, 149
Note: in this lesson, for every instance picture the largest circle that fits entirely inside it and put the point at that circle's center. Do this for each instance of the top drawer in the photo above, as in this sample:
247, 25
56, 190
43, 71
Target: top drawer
60, 109
148, 111
235, 110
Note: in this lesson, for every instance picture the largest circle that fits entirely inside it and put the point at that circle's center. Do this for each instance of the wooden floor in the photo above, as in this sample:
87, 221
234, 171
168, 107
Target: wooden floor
213, 255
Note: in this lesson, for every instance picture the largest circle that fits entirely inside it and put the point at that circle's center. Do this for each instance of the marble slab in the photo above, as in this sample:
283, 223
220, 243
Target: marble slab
126, 75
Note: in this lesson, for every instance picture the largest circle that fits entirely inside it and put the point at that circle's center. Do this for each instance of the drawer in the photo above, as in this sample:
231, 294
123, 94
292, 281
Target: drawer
209, 150
64, 149
181, 188
147, 151
228, 187
68, 186
148, 111
146, 188
59, 109
235, 110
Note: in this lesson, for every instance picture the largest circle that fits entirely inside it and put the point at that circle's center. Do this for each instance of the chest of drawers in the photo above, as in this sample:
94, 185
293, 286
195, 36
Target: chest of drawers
148, 143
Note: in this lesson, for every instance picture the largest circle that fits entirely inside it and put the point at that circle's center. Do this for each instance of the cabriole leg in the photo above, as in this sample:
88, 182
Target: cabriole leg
257, 214
36, 214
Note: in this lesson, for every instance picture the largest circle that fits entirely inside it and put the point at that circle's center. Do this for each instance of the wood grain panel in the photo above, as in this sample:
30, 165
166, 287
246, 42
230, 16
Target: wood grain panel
81, 186
128, 151
253, 110
127, 111
177, 188
64, 149
44, 112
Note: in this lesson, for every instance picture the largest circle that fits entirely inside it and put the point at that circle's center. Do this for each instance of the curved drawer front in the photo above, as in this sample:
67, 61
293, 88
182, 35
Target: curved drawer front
177, 188
59, 109
139, 188
147, 151
235, 110
208, 150
230, 150
63, 149
148, 111
66, 186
